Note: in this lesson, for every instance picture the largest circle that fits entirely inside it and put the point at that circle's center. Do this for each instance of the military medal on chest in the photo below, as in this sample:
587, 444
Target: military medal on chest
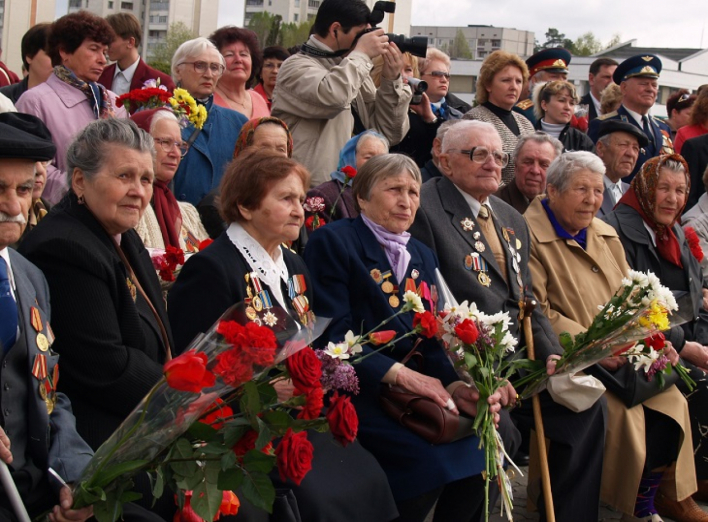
475, 262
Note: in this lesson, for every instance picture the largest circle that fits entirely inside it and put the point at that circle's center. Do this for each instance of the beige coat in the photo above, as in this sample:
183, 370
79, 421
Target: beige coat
570, 283
149, 229
314, 96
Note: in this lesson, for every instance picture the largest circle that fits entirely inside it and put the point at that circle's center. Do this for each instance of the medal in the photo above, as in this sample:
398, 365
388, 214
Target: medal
270, 319
467, 224
36, 319
415, 274
257, 304
387, 287
50, 404
131, 288
39, 368
505, 235
42, 391
251, 313
483, 278
410, 285
468, 262
476, 235
519, 280
42, 342
515, 265
376, 276
394, 301
518, 244
479, 246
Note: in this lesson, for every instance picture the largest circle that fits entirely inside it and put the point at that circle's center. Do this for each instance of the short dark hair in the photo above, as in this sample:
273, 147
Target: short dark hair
349, 13
126, 25
277, 52
599, 63
232, 34
34, 41
69, 32
249, 177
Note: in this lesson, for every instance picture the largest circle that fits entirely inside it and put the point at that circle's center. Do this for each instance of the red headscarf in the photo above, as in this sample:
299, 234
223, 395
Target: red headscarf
641, 196
245, 137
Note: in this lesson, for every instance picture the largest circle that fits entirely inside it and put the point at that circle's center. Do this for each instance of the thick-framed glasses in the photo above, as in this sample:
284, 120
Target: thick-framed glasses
439, 74
480, 155
167, 145
201, 67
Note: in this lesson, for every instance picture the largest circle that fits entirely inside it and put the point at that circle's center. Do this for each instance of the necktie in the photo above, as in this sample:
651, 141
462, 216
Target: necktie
647, 130
8, 310
490, 234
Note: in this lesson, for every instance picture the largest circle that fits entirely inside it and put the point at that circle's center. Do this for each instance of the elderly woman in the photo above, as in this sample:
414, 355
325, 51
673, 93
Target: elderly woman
502, 78
554, 105
350, 259
166, 221
109, 317
577, 263
261, 199
337, 193
196, 66
273, 58
243, 58
71, 98
646, 220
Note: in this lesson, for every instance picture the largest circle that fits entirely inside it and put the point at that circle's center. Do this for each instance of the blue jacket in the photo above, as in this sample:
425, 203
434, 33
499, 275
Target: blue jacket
341, 256
203, 166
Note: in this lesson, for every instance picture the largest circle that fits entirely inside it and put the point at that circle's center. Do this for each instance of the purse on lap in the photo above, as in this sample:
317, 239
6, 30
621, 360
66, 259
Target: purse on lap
631, 386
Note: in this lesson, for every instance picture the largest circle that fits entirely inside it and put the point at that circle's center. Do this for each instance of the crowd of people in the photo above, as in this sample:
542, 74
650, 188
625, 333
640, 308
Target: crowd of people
317, 165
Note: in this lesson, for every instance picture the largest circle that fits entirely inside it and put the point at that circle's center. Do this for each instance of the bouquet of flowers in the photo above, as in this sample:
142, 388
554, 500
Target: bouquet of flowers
648, 356
186, 109
313, 206
151, 95
169, 261
639, 309
211, 425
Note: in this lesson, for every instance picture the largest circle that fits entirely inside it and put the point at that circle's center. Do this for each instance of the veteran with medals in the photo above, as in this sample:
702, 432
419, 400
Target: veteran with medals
361, 270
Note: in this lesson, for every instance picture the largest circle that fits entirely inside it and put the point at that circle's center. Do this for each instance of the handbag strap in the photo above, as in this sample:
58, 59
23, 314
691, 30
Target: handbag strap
414, 351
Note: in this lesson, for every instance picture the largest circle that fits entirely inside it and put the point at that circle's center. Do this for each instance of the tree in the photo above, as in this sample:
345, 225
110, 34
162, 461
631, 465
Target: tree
162, 54
459, 47
262, 23
587, 44
293, 34
274, 34
553, 38
616, 38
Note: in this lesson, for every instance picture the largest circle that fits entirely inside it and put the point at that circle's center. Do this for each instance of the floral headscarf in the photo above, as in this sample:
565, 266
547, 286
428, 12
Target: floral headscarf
641, 196
245, 137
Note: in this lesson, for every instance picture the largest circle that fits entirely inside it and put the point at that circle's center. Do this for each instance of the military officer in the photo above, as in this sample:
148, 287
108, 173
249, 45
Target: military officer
544, 66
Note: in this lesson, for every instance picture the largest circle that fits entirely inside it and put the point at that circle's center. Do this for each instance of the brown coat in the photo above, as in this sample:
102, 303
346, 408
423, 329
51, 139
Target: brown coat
569, 284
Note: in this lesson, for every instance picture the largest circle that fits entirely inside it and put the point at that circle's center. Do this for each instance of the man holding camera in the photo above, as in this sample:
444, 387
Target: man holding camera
322, 91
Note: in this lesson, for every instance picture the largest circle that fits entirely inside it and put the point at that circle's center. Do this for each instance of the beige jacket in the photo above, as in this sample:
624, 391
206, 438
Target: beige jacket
149, 229
314, 96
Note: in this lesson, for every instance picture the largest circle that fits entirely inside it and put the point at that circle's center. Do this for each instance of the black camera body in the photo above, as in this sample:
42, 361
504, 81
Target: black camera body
417, 45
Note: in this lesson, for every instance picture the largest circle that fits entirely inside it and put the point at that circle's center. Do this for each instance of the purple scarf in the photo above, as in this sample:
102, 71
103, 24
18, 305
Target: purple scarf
394, 245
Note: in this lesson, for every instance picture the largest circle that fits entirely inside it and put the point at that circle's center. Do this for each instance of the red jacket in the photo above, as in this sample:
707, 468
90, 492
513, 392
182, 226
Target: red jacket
142, 74
7, 77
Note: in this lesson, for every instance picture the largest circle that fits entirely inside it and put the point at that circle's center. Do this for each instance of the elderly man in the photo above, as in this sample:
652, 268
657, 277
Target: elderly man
599, 77
618, 146
483, 248
432, 166
533, 155
544, 66
637, 77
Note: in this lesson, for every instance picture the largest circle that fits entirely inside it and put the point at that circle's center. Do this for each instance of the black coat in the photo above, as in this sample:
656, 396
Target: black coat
695, 152
572, 138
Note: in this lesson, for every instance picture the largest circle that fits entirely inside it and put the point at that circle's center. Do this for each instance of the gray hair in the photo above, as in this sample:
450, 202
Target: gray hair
605, 139
455, 136
88, 151
162, 115
540, 138
564, 167
378, 169
371, 135
442, 130
192, 48
673, 166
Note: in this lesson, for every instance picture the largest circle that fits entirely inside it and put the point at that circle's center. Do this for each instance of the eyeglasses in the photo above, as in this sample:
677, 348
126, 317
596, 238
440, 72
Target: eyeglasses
167, 145
271, 65
201, 67
439, 74
480, 155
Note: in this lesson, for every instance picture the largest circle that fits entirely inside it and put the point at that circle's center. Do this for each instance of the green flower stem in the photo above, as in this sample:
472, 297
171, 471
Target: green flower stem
387, 345
339, 196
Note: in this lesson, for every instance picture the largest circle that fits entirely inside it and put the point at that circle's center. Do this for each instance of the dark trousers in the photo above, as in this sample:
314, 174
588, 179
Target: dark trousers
698, 409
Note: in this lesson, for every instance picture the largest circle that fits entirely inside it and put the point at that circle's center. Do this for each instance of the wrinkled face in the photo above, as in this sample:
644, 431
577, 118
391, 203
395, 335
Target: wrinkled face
271, 136
200, 84
639, 94
577, 205
671, 193
118, 194
280, 214
479, 180
238, 62
167, 163
367, 150
620, 156
437, 75
87, 61
532, 162
393, 202
40, 64
40, 179
269, 72
505, 89
602, 79
549, 76
16, 184
559, 109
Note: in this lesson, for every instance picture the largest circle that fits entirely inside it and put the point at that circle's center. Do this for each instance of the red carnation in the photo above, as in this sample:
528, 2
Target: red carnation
314, 404
694, 243
174, 256
349, 172
467, 332
426, 324
233, 368
294, 456
166, 275
222, 412
305, 369
656, 341
188, 372
314, 222
342, 419
384, 337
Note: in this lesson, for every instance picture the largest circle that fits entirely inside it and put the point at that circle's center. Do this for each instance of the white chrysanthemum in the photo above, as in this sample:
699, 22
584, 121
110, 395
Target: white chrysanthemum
495, 319
509, 342
337, 351
627, 282
640, 278
413, 301
666, 298
644, 360
352, 341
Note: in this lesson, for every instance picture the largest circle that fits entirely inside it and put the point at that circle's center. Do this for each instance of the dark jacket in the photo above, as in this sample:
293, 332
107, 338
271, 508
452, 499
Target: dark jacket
587, 100
329, 191
695, 152
511, 194
143, 73
430, 171
15, 90
572, 139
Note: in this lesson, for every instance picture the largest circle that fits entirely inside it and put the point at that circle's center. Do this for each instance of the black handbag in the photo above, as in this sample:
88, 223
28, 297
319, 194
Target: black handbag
631, 386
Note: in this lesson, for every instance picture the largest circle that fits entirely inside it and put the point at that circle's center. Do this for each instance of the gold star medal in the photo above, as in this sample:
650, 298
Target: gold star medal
467, 224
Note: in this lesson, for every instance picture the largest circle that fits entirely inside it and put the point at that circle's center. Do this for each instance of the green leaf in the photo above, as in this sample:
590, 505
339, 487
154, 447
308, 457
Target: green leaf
256, 460
206, 499
213, 448
264, 435
230, 479
267, 393
86, 496
251, 401
110, 473
182, 449
212, 468
259, 490
159, 485
470, 360
228, 460
566, 341
201, 431
483, 371
277, 421
233, 433
130, 496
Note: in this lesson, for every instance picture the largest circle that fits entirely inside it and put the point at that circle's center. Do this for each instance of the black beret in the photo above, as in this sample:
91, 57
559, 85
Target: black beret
610, 126
23, 136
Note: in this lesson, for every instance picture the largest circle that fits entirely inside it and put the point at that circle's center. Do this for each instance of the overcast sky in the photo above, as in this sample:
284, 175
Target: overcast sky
653, 23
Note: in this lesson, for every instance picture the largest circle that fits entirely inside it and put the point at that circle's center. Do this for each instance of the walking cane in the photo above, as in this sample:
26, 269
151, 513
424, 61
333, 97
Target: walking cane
529, 305
11, 491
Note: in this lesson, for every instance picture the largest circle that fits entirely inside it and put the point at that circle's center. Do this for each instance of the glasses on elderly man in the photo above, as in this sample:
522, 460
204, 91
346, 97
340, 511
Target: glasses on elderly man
480, 155
201, 67
167, 145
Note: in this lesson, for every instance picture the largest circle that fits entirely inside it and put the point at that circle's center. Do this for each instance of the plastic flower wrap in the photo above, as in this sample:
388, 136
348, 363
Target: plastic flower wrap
210, 425
648, 356
186, 109
168, 262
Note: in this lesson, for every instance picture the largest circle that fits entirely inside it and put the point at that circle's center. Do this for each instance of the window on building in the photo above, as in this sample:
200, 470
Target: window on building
163, 19
496, 43
270, 3
124, 5
314, 4
297, 3
482, 42
110, 5
295, 17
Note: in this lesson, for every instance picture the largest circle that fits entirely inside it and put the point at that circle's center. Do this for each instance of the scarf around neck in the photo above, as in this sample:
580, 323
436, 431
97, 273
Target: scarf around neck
394, 245
95, 93
168, 214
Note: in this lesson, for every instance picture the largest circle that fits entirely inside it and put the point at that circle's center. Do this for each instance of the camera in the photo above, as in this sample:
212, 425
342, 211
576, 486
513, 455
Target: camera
417, 45
418, 87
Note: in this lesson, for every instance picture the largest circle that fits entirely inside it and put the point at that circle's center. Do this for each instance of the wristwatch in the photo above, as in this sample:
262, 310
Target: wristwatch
433, 121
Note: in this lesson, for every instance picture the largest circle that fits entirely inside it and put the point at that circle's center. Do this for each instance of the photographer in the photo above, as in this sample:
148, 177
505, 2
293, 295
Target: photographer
323, 90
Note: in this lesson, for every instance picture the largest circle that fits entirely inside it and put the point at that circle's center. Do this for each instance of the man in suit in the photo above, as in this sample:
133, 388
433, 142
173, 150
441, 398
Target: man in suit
544, 66
483, 248
599, 77
618, 147
695, 152
129, 70
533, 155
38, 429
637, 77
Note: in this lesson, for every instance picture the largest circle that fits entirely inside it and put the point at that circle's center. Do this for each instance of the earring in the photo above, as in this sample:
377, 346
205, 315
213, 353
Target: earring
80, 199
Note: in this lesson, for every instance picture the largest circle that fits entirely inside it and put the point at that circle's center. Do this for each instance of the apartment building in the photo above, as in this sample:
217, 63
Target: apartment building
482, 39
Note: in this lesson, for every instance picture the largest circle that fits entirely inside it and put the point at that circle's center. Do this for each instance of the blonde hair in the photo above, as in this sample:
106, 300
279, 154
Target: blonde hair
491, 65
544, 91
610, 99
433, 54
378, 67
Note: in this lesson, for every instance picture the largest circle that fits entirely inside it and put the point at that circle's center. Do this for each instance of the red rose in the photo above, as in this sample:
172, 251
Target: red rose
384, 337
188, 372
187, 514
305, 369
314, 404
294, 456
426, 323
342, 419
246, 443
349, 172
233, 368
229, 504
467, 331
205, 243
222, 412
656, 341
